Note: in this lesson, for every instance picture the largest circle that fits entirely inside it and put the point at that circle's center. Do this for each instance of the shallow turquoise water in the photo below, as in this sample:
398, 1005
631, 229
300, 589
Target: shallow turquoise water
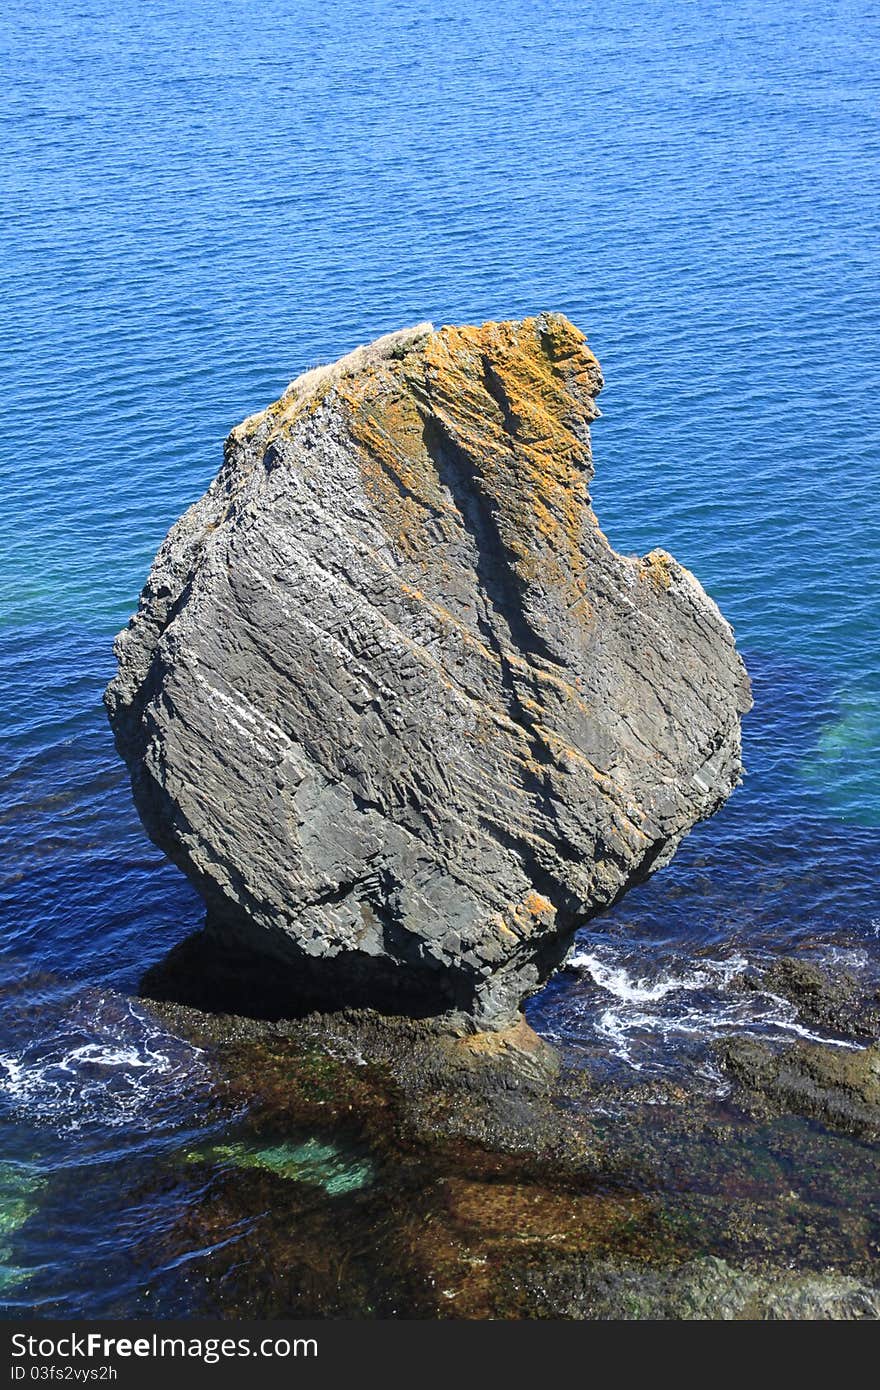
201, 201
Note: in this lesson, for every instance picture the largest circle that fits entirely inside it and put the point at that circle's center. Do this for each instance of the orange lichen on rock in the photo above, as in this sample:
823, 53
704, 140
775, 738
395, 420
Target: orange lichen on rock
386, 422
516, 400
510, 404
657, 567
536, 905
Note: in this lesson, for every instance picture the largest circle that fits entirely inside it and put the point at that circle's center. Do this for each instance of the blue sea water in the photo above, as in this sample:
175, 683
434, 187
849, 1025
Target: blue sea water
200, 201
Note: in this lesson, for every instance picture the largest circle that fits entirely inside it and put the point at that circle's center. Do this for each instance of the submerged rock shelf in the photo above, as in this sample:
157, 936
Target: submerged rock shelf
379, 1167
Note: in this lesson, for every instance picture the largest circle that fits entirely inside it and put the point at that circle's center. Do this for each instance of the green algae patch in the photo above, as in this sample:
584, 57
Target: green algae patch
19, 1185
312, 1161
14, 1212
843, 763
11, 1275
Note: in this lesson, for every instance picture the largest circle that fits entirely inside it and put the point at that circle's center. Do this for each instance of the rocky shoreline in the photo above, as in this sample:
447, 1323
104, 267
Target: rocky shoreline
839, 1085
506, 1183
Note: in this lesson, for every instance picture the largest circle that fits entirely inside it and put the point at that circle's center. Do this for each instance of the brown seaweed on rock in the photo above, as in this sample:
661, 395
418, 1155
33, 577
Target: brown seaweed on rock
476, 1179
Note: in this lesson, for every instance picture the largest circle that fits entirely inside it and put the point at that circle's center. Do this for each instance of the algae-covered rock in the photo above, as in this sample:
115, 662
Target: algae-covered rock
19, 1185
825, 996
701, 1289
475, 1175
836, 1085
391, 700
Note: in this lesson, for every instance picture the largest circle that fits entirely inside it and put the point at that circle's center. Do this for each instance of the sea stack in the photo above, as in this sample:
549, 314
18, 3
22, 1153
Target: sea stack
393, 703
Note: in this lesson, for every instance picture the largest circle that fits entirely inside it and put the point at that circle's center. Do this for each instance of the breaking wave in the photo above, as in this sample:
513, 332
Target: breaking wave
650, 1023
105, 1063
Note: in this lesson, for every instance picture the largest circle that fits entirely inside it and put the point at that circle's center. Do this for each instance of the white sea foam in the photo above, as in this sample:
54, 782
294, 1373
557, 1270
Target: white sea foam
105, 1063
615, 978
850, 957
650, 1021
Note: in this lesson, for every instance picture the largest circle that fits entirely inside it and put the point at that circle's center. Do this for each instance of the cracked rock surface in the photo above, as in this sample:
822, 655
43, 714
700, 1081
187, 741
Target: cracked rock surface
391, 700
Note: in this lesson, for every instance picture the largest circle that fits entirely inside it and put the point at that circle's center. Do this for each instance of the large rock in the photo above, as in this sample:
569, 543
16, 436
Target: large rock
390, 699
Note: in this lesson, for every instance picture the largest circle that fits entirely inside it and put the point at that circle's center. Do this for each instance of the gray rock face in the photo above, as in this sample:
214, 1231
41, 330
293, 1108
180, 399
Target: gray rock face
393, 703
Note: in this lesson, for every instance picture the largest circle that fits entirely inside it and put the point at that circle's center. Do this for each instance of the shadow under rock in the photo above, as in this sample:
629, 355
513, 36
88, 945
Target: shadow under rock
211, 973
